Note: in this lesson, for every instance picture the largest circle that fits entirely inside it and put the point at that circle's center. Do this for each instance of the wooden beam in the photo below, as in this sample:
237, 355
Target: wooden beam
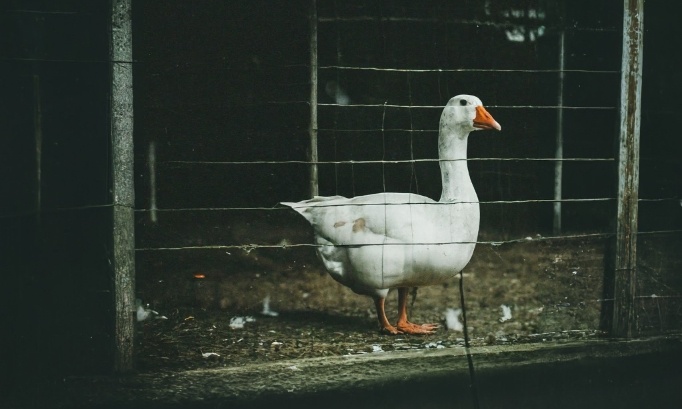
625, 282
121, 114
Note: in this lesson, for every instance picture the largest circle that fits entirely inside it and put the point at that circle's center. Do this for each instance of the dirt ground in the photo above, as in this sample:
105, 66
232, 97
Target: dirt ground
552, 288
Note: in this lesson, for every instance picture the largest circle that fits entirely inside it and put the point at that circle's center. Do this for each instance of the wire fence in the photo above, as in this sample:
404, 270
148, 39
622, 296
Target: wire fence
369, 95
334, 24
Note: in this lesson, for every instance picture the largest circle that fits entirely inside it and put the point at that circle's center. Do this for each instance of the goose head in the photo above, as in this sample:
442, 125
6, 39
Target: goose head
465, 113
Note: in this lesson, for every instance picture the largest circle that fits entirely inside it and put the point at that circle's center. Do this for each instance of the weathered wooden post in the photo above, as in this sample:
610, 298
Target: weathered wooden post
314, 186
121, 114
559, 145
625, 285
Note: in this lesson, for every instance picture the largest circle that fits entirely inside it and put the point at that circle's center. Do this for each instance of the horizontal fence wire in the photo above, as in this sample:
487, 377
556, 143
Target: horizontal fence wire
318, 205
492, 70
283, 208
441, 106
303, 102
47, 210
494, 243
250, 247
327, 67
278, 208
382, 161
65, 60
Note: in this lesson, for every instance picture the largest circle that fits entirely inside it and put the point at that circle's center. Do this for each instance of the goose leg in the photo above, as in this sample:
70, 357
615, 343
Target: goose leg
381, 315
404, 325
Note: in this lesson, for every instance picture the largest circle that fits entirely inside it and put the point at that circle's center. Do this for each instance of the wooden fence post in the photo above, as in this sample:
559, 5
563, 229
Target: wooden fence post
624, 322
314, 186
121, 114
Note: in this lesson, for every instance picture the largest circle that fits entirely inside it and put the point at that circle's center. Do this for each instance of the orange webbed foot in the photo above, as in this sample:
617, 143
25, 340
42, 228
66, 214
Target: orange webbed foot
417, 329
389, 330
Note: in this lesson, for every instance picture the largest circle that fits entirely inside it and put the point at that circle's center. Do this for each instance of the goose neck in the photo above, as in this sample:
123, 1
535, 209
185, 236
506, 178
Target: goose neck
457, 186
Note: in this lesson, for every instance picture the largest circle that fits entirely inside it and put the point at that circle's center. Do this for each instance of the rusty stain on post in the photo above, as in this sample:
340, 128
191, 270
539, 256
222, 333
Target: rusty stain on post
625, 285
314, 186
123, 195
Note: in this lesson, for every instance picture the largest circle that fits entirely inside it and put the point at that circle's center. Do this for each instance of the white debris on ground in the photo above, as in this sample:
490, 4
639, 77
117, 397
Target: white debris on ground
377, 348
239, 322
506, 313
452, 319
436, 345
143, 312
208, 355
266, 308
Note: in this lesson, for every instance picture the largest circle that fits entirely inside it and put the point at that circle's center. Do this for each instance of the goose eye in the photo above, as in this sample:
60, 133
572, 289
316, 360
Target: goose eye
463, 102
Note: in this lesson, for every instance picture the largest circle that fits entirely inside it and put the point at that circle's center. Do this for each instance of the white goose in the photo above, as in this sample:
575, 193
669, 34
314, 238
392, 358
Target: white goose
382, 241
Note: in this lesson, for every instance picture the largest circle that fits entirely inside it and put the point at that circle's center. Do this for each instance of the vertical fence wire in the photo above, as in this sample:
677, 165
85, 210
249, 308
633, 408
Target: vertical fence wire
559, 149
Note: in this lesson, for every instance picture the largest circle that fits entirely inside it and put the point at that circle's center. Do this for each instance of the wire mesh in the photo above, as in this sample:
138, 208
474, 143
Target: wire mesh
227, 151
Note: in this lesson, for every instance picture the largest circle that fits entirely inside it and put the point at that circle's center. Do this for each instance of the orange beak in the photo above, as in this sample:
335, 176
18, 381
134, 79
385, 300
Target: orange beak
484, 120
